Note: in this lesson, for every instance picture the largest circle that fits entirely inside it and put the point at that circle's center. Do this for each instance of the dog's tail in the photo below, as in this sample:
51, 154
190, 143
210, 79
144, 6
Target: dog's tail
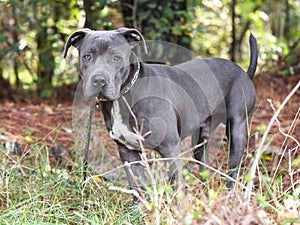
253, 56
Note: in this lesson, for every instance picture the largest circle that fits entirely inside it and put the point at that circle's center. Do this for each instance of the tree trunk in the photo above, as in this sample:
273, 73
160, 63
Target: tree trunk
239, 39
92, 14
233, 43
46, 58
287, 20
15, 42
88, 12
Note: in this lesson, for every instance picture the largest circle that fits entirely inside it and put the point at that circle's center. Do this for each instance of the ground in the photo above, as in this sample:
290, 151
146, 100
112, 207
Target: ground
25, 121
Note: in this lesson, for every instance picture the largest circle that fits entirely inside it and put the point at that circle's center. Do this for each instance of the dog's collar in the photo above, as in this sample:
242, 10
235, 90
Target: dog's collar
124, 90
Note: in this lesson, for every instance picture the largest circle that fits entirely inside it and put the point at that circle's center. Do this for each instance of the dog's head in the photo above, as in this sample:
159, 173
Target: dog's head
105, 59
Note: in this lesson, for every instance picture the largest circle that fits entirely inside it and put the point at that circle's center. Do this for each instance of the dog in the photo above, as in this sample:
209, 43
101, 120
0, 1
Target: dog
167, 102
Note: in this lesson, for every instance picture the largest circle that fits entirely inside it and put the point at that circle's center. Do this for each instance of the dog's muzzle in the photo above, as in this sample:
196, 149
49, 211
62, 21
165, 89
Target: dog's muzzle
123, 91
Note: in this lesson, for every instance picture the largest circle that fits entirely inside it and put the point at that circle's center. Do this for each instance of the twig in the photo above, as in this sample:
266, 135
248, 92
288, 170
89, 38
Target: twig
280, 128
132, 192
190, 159
167, 159
260, 150
139, 189
286, 137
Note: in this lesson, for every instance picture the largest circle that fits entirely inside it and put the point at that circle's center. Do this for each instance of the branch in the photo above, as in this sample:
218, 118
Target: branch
261, 148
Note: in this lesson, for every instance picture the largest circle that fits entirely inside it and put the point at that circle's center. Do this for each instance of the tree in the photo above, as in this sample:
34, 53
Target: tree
10, 41
45, 68
243, 26
159, 20
32, 35
47, 15
233, 43
94, 16
92, 10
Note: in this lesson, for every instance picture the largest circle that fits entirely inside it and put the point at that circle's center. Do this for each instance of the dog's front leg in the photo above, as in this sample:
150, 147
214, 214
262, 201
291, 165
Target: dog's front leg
134, 169
174, 164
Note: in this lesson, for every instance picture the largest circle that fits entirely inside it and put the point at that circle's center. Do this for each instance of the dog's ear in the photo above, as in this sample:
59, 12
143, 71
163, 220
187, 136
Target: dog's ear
133, 37
75, 39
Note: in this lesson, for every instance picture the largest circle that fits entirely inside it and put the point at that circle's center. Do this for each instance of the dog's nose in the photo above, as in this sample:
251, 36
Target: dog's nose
99, 81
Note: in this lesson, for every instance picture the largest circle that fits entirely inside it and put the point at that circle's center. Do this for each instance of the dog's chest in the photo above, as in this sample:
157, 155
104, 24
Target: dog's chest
120, 131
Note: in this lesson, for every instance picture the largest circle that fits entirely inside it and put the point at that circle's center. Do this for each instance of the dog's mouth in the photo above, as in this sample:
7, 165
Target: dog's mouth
105, 98
107, 95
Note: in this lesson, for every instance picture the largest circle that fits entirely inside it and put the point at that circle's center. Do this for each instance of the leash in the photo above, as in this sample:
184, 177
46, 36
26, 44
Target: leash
87, 140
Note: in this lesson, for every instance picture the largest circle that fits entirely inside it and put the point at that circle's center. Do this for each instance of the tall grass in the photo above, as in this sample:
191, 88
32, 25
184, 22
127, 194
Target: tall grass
32, 191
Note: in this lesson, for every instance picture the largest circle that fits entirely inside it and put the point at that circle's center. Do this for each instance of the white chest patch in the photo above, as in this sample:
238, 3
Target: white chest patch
120, 131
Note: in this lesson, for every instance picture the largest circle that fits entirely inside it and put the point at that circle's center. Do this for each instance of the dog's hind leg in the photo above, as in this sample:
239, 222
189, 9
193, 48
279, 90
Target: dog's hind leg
200, 136
239, 112
236, 130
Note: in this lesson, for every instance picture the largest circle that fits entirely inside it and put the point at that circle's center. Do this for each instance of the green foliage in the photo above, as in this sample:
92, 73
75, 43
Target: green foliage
205, 174
33, 32
210, 28
32, 42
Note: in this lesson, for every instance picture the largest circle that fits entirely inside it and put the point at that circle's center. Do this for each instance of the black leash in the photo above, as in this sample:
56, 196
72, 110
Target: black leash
87, 140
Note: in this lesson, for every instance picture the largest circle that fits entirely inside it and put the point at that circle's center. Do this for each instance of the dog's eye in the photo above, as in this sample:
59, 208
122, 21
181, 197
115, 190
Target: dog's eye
87, 57
116, 58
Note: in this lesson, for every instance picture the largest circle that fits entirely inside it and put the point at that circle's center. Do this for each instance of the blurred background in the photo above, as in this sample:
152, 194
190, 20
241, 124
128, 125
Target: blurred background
33, 33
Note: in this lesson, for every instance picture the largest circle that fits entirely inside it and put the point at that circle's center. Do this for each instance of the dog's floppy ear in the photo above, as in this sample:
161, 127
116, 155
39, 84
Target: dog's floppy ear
75, 39
133, 37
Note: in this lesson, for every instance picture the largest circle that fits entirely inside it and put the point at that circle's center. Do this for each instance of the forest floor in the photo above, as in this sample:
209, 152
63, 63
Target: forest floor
26, 120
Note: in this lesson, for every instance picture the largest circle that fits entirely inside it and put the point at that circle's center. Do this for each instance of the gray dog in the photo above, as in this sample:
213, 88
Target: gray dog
158, 105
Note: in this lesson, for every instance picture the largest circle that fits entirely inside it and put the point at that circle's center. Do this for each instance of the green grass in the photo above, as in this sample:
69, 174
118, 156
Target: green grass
34, 191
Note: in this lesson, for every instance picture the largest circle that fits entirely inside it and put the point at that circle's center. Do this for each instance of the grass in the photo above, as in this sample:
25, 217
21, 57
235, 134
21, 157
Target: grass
32, 191
35, 189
